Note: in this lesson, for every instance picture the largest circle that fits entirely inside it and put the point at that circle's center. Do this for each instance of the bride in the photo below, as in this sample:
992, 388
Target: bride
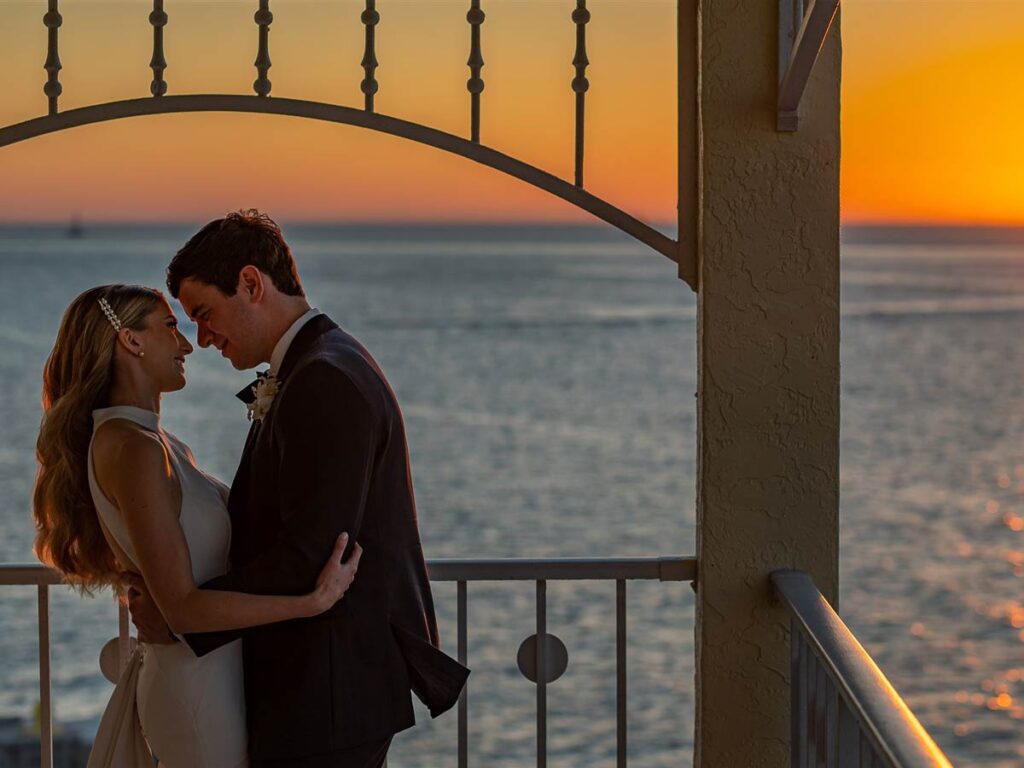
116, 493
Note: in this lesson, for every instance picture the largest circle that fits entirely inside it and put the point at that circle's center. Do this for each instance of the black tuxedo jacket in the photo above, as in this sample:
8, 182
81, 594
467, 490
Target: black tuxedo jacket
331, 456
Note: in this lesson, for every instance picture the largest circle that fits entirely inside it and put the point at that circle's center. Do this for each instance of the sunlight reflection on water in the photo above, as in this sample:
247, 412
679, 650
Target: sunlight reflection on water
548, 397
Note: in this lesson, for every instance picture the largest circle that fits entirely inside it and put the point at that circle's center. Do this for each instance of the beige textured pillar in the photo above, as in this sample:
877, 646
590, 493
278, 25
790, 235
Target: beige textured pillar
768, 399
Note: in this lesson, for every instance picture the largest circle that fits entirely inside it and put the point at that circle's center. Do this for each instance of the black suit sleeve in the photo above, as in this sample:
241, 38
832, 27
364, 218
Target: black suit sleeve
326, 435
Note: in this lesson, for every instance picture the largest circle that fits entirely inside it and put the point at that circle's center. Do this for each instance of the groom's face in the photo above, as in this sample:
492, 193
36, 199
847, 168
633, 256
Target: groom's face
223, 322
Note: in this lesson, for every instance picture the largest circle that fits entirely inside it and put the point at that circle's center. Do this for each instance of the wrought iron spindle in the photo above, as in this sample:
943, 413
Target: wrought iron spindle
542, 677
475, 84
620, 673
867, 753
370, 19
463, 697
811, 681
820, 715
263, 18
52, 20
831, 725
158, 18
849, 738
45, 701
580, 84
798, 661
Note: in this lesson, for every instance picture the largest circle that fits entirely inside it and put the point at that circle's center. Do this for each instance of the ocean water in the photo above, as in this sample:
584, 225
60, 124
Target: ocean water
547, 379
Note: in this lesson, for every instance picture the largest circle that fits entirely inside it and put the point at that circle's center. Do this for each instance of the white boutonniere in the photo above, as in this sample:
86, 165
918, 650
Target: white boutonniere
264, 390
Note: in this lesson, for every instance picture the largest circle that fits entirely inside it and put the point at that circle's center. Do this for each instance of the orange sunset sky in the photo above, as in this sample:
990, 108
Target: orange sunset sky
933, 98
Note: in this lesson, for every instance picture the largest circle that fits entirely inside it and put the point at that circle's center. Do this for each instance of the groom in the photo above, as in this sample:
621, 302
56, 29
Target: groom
326, 453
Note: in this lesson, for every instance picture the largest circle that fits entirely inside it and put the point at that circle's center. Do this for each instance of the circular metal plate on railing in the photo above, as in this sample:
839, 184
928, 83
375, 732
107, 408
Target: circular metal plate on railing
110, 661
556, 658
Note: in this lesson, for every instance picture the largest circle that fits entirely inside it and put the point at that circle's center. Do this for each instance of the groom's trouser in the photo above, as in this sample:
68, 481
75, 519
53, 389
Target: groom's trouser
369, 755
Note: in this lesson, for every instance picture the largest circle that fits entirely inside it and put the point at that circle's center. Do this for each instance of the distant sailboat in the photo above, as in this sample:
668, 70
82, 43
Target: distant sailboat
75, 229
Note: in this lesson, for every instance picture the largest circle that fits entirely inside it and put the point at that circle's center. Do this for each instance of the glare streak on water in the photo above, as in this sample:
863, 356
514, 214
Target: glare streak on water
932, 484
547, 379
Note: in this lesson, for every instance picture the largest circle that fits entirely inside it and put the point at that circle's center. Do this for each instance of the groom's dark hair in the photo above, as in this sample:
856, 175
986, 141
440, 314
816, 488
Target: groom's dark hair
218, 252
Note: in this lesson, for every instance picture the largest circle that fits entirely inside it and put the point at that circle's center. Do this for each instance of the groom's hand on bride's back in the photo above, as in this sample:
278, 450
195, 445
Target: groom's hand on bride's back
145, 615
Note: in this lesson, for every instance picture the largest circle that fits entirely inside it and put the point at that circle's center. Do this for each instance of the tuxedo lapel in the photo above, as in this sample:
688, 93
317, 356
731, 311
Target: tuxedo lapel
250, 441
239, 493
244, 485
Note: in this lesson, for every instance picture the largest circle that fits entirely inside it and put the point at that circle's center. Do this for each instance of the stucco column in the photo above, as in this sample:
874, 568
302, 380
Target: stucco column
768, 384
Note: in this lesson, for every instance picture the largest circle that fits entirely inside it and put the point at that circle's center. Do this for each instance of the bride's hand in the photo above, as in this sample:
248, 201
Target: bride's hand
336, 576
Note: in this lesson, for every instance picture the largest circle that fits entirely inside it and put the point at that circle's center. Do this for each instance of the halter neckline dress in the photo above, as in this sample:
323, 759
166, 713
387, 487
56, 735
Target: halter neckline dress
190, 710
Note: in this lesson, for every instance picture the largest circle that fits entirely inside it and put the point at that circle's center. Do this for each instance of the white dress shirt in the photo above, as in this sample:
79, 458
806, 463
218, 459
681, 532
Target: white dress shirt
281, 348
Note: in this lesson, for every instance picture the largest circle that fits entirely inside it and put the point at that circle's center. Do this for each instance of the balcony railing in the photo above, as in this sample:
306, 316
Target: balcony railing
541, 662
845, 713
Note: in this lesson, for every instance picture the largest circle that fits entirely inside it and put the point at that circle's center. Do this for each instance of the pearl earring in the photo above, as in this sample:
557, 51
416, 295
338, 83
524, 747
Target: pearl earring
141, 353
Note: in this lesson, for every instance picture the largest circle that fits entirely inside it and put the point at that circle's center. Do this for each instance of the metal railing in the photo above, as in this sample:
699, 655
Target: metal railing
845, 713
542, 657
544, 669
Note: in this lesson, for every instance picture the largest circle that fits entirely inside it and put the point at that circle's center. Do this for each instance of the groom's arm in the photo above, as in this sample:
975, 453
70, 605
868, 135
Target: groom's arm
326, 433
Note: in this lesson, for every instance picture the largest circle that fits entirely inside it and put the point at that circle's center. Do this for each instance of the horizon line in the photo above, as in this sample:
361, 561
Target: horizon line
469, 222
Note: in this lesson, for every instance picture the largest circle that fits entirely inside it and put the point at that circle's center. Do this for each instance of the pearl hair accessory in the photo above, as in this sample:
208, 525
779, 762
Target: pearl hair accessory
111, 315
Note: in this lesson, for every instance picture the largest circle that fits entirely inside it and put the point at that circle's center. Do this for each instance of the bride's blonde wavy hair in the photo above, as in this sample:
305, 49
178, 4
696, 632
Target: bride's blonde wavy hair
77, 378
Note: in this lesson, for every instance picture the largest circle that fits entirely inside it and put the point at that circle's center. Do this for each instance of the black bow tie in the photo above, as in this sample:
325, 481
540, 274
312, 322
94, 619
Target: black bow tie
248, 393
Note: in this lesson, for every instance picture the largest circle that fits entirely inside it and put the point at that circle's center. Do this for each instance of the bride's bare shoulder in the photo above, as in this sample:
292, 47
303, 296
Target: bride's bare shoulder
120, 444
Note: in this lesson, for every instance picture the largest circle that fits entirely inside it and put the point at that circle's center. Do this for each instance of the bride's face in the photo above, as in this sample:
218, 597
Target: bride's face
165, 349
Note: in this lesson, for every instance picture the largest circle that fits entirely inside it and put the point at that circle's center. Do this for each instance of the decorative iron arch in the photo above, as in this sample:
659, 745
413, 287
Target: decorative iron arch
349, 116
572, 192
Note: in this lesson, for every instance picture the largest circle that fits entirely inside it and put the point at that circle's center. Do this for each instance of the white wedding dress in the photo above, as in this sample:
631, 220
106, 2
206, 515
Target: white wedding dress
191, 710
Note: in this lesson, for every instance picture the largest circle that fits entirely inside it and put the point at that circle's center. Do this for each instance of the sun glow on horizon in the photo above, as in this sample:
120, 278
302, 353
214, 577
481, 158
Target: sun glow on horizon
933, 92
930, 106
185, 166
